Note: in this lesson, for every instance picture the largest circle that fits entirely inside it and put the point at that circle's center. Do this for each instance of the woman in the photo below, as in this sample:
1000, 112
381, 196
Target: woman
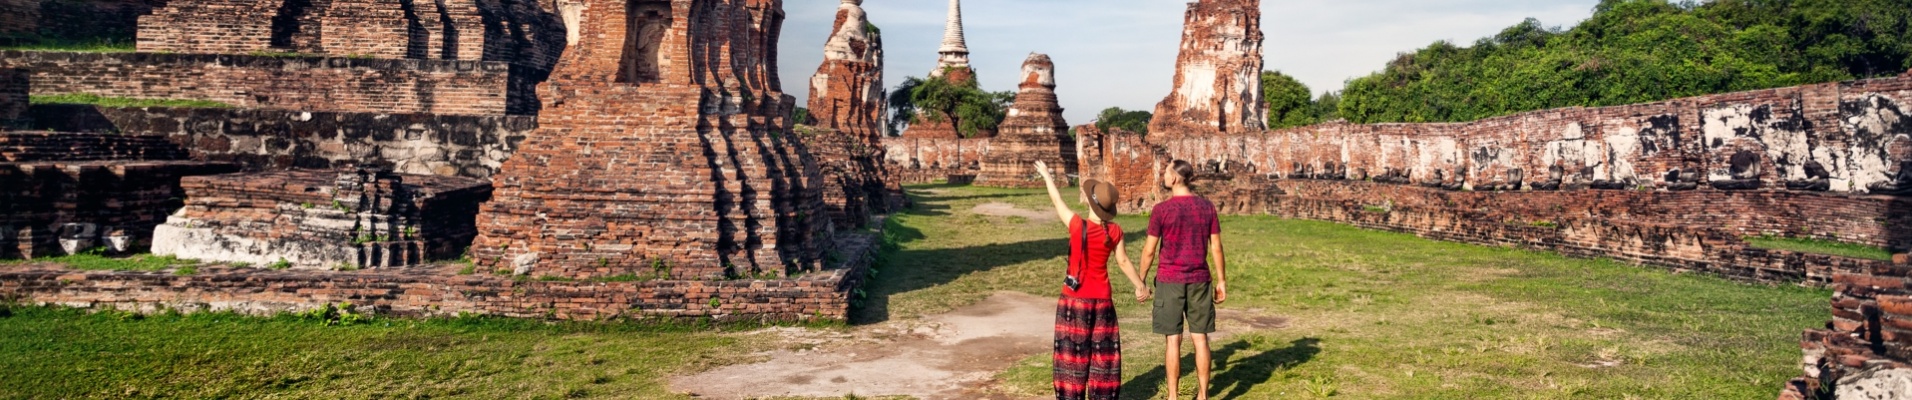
1088, 352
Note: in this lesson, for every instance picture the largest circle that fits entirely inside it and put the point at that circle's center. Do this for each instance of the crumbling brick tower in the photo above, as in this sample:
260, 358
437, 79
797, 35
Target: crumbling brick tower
1034, 131
662, 148
848, 105
1217, 74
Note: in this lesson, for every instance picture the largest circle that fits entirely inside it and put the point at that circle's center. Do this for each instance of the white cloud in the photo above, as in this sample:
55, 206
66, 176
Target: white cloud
1121, 53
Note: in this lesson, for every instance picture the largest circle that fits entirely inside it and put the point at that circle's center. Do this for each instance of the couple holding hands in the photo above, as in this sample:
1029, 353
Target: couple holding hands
1184, 239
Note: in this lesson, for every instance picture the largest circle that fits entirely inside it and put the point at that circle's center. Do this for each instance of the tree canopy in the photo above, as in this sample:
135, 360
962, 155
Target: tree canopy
966, 106
1289, 101
1638, 51
1132, 121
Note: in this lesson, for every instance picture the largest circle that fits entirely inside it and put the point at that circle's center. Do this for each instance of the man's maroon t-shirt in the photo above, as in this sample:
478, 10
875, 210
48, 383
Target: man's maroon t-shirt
1184, 224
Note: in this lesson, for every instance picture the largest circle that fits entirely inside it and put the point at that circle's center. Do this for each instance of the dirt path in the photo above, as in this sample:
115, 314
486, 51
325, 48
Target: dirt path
941, 357
1000, 209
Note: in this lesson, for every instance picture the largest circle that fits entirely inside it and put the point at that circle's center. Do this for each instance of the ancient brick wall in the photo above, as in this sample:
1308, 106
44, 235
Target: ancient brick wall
511, 31
261, 140
1218, 73
14, 86
920, 160
664, 141
1815, 161
1126, 160
74, 20
323, 218
1033, 131
122, 197
300, 83
439, 291
25, 146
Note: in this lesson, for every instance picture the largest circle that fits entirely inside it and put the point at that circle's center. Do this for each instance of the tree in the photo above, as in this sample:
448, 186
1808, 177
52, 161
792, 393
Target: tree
965, 106
1327, 107
1638, 51
801, 116
1290, 103
903, 105
1116, 117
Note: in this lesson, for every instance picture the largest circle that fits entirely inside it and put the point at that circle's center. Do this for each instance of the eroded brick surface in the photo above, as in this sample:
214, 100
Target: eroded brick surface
356, 218
920, 160
1034, 130
124, 198
524, 33
664, 143
469, 146
349, 84
1218, 73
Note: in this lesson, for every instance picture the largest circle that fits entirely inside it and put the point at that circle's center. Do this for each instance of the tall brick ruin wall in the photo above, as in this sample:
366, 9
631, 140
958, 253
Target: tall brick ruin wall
298, 83
262, 140
925, 160
518, 32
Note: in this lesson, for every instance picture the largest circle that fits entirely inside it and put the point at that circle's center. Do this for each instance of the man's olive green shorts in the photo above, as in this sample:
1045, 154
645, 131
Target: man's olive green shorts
1179, 304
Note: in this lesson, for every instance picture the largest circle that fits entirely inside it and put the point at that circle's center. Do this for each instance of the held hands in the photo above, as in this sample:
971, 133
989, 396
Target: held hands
1142, 294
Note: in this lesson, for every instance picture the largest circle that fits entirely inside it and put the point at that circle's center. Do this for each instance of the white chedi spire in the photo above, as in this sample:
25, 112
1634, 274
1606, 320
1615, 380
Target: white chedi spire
955, 51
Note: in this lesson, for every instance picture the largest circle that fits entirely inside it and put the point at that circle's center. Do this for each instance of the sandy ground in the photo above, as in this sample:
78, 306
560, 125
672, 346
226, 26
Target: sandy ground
941, 357
1009, 210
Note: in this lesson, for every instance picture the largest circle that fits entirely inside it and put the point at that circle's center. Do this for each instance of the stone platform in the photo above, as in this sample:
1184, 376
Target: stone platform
341, 219
450, 290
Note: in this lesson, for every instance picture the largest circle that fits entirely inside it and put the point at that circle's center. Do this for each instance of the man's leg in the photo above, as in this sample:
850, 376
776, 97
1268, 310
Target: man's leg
1174, 366
1201, 365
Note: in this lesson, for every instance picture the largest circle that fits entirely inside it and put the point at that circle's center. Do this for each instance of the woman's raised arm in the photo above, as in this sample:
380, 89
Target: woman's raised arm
1055, 196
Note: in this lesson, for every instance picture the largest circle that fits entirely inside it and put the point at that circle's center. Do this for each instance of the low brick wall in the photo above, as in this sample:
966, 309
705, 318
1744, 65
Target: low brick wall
58, 146
322, 219
73, 20
262, 140
925, 160
128, 196
439, 291
297, 83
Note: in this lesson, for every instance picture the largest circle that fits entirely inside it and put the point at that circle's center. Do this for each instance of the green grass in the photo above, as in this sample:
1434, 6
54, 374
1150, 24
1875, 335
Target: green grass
1379, 315
103, 101
1817, 246
94, 260
1368, 315
81, 46
61, 353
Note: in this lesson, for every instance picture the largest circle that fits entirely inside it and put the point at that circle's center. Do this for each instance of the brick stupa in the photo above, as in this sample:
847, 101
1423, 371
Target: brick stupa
952, 64
1034, 131
848, 106
662, 148
1217, 74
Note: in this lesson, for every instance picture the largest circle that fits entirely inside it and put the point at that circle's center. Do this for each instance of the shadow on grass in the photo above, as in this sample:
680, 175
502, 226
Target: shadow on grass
909, 270
1237, 377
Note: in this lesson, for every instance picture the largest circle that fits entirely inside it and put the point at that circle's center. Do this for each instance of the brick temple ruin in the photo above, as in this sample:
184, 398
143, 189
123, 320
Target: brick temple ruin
635, 159
591, 159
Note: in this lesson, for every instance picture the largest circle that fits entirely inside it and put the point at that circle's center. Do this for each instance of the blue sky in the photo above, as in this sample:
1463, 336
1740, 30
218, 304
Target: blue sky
1121, 53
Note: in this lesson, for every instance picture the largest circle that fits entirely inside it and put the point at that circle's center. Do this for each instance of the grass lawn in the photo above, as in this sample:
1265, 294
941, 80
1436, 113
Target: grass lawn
1370, 315
1816, 246
69, 45
1384, 315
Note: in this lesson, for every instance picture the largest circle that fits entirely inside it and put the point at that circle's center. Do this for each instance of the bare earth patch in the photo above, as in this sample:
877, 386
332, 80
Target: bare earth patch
941, 357
1000, 209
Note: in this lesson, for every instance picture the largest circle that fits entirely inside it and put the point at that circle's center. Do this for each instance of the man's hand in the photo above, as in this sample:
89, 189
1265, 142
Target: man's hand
1221, 292
1043, 169
1142, 294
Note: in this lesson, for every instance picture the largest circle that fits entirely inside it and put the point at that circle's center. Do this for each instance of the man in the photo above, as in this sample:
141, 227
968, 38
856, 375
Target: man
1185, 233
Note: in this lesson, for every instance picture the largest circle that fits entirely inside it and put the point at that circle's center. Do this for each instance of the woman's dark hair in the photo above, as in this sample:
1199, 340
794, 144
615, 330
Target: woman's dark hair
1184, 169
